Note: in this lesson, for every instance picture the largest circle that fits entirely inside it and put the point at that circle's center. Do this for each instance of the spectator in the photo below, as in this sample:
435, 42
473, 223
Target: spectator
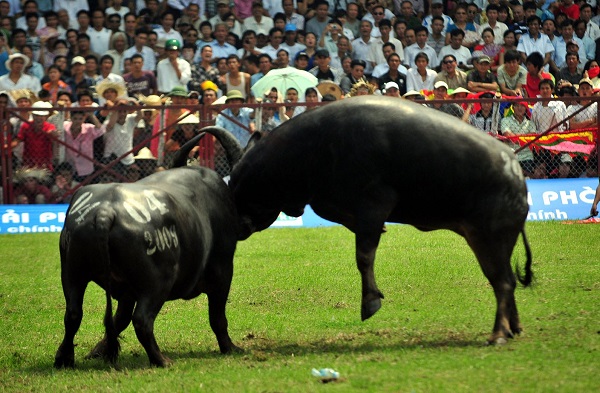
248, 45
535, 75
489, 48
64, 183
436, 38
84, 47
99, 35
118, 44
510, 41
140, 47
258, 22
587, 117
342, 51
518, 124
166, 31
572, 71
72, 7
380, 69
224, 12
407, 12
588, 44
318, 23
34, 68
461, 53
535, 41
78, 76
450, 75
558, 59
139, 81
511, 76
569, 8
236, 80
172, 71
482, 79
300, 63
16, 78
498, 27
29, 7
483, 119
420, 46
470, 35
394, 75
376, 55
323, 71
55, 84
391, 89
291, 16
106, 67
437, 13
178, 97
421, 77
221, 48
547, 114
118, 139
37, 137
30, 187
356, 75
242, 116
275, 40
293, 47
361, 46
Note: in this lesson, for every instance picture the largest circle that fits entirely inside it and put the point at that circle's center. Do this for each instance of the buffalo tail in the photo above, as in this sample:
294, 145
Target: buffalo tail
103, 223
526, 279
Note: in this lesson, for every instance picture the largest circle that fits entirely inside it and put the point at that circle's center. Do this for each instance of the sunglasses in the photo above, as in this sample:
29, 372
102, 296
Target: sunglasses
448, 61
378, 13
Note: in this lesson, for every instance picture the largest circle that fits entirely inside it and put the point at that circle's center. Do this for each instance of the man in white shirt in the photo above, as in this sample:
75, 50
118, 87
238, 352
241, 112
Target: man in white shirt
456, 48
166, 31
585, 14
258, 21
99, 35
499, 28
437, 9
141, 38
412, 51
72, 7
535, 41
172, 71
361, 47
16, 77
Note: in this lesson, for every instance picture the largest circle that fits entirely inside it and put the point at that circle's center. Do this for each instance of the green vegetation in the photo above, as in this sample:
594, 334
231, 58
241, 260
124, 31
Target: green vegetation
295, 305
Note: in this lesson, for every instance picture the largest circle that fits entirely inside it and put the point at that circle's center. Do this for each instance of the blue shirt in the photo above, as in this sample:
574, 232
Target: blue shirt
240, 133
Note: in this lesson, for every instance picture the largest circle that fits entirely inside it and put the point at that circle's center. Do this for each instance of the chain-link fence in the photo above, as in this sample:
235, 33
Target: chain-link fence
45, 161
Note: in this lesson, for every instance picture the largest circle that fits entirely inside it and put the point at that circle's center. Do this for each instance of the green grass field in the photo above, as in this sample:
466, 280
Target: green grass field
295, 305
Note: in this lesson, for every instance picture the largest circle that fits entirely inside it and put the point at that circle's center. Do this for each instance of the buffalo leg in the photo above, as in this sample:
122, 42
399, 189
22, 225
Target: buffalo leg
217, 301
121, 321
366, 247
144, 315
493, 253
65, 356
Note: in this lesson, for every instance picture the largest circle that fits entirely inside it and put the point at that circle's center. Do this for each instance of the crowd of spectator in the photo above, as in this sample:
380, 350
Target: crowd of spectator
114, 53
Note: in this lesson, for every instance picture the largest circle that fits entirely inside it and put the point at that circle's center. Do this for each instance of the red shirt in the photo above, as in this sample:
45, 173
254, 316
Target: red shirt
37, 145
532, 86
571, 11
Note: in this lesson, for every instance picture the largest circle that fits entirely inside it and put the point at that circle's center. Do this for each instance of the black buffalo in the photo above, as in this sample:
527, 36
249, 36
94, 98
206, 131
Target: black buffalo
363, 161
169, 236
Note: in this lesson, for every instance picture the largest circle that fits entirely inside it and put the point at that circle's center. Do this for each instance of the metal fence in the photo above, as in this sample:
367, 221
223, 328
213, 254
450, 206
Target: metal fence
48, 168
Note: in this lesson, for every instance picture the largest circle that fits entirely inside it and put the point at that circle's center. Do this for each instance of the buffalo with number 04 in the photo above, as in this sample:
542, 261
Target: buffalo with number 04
366, 160
171, 235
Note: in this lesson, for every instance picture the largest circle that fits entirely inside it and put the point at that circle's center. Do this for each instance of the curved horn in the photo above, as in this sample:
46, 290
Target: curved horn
180, 158
232, 147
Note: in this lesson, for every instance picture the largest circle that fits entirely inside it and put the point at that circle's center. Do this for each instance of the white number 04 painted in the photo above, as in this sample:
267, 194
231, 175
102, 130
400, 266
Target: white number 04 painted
139, 212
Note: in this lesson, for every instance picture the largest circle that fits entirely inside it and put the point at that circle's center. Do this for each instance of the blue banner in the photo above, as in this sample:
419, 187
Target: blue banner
552, 199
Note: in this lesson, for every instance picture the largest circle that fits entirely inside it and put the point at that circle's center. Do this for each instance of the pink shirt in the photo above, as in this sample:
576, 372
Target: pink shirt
83, 145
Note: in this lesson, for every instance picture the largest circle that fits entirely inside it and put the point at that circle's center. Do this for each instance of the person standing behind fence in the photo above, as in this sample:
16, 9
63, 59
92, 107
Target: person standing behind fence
139, 81
37, 137
242, 115
587, 117
16, 77
118, 139
80, 133
518, 124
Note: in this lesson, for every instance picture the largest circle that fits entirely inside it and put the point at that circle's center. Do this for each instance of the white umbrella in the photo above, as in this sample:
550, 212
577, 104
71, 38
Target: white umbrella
284, 78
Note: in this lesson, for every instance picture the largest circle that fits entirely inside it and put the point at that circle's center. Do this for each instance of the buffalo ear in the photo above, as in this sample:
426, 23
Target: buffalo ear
256, 136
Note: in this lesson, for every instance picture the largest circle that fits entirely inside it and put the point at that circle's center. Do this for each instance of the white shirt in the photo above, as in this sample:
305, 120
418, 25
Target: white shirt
99, 40
166, 77
462, 54
72, 7
415, 82
148, 55
119, 140
376, 53
361, 51
542, 44
263, 26
412, 51
499, 30
592, 31
24, 82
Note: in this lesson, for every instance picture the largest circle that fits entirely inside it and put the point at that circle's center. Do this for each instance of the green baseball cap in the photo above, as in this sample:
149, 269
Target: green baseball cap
172, 44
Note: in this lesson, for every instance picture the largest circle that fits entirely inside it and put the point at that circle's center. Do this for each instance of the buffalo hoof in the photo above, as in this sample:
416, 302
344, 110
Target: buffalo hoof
233, 349
61, 361
162, 363
369, 308
98, 351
